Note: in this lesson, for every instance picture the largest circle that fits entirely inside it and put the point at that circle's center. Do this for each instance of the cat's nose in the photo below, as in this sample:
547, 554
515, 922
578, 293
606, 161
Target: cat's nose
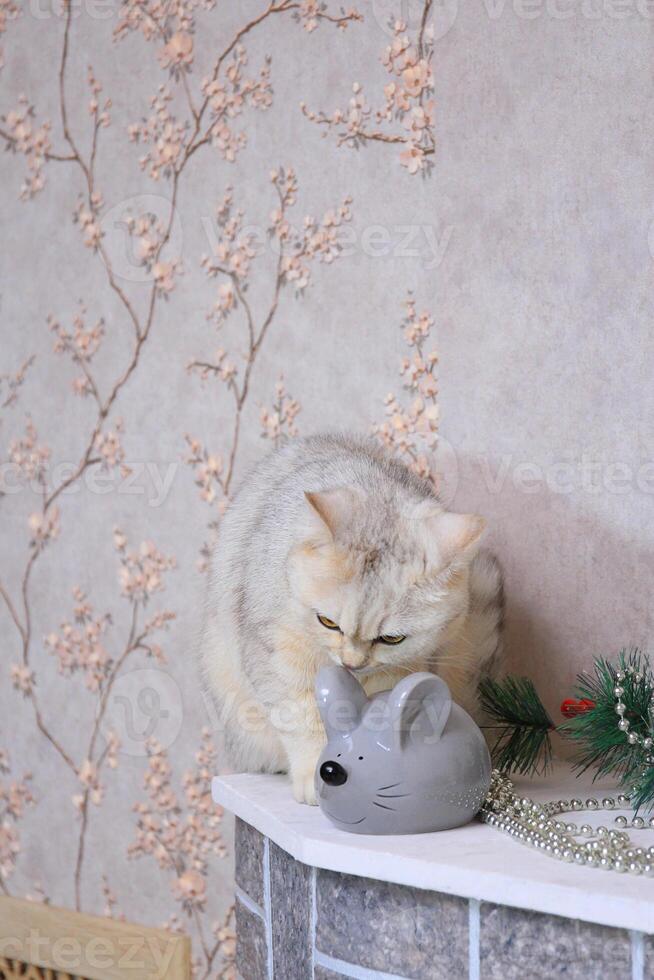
333, 773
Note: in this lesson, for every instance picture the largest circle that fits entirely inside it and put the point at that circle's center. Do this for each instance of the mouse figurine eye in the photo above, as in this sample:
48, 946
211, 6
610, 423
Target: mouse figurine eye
333, 773
389, 640
329, 624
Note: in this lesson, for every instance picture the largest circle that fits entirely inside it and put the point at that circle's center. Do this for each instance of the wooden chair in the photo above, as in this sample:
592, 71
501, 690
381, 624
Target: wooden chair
39, 942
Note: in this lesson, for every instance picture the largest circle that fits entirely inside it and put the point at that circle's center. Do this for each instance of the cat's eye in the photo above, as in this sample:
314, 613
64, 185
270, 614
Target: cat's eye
327, 623
389, 640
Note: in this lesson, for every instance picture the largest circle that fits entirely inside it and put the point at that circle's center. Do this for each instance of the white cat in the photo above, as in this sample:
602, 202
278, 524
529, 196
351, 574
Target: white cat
333, 550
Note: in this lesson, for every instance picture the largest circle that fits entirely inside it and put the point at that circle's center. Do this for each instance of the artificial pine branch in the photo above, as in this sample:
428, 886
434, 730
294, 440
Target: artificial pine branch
523, 744
603, 745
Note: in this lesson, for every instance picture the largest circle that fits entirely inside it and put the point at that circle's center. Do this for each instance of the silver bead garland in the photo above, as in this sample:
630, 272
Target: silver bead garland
534, 823
638, 741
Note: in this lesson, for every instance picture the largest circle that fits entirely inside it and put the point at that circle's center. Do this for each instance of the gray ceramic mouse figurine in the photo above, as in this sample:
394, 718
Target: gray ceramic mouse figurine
405, 761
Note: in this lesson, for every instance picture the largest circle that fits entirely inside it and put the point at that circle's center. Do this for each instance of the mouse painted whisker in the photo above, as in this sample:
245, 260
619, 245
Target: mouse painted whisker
382, 806
390, 786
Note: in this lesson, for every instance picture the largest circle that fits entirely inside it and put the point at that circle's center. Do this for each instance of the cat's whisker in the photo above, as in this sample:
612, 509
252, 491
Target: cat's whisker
383, 807
459, 659
391, 669
390, 786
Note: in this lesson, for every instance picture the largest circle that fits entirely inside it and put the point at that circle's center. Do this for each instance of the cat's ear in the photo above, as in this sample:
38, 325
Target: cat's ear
334, 507
420, 706
341, 700
457, 533
446, 535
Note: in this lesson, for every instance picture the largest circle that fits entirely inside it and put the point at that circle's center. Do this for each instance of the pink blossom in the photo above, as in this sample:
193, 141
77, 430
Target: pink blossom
178, 51
156, 17
279, 422
100, 114
208, 469
13, 383
110, 449
9, 10
29, 456
162, 134
32, 141
87, 220
79, 646
22, 679
164, 275
81, 345
182, 836
190, 888
412, 158
15, 797
408, 63
141, 571
44, 527
411, 430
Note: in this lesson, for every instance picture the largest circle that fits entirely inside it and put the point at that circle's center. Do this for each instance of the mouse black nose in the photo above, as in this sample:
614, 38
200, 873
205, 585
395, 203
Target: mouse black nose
333, 773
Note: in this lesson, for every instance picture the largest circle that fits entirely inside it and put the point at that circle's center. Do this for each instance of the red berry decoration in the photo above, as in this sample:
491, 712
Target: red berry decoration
572, 707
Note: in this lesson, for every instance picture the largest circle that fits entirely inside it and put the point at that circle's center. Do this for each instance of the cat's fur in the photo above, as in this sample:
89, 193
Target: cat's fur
333, 525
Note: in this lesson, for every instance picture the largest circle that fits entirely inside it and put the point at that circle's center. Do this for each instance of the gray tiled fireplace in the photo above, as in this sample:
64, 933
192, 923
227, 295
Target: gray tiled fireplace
305, 908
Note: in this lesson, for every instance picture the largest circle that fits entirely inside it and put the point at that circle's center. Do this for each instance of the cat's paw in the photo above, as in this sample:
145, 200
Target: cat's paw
304, 789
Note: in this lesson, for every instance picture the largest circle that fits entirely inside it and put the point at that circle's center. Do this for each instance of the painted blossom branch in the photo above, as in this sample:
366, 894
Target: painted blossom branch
80, 649
278, 424
423, 49
231, 263
89, 219
407, 101
14, 799
183, 836
177, 54
207, 126
411, 431
14, 382
12, 611
45, 525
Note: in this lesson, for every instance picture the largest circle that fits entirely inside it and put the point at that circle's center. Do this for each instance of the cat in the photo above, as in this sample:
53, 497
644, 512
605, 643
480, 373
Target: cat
334, 551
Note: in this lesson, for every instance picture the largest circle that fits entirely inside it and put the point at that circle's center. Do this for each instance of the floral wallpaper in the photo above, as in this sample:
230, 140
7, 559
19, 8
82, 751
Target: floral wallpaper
227, 224
96, 678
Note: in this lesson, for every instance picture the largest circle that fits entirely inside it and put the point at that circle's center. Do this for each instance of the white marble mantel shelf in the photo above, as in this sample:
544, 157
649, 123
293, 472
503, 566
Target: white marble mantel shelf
474, 862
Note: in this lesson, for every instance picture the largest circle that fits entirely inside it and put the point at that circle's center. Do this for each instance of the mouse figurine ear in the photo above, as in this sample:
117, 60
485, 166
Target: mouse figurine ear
420, 707
341, 700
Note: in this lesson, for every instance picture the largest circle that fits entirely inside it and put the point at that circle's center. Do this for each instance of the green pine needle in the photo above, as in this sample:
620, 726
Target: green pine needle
523, 744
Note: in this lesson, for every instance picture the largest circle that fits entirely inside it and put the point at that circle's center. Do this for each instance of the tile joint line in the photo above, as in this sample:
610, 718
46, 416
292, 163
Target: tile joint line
267, 905
249, 903
473, 938
637, 955
312, 925
351, 970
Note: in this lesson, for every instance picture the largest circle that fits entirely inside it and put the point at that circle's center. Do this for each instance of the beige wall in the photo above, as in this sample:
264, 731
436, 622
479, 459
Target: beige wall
518, 216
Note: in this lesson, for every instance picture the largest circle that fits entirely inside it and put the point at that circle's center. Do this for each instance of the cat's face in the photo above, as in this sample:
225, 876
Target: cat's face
377, 588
